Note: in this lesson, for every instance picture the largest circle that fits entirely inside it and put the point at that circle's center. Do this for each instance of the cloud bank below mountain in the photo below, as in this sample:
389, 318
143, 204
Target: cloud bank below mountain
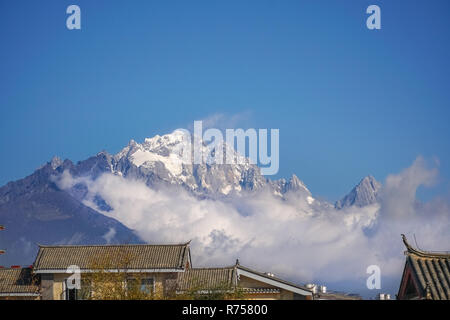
284, 236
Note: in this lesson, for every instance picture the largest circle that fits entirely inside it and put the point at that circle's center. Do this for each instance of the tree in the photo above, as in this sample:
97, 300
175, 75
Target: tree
112, 279
199, 290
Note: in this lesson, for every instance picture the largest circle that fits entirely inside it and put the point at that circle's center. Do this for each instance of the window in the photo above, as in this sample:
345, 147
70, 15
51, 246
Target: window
147, 285
78, 294
131, 284
144, 285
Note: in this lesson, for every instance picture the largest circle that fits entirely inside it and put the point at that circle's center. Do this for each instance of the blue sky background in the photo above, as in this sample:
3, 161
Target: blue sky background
348, 101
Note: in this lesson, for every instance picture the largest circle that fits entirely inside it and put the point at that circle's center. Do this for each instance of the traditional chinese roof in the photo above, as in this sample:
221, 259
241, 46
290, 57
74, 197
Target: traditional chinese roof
336, 296
206, 279
260, 290
228, 277
271, 279
18, 282
430, 272
133, 257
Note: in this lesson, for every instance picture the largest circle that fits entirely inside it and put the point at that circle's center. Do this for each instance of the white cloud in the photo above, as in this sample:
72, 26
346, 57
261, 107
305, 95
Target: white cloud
223, 121
284, 237
399, 191
109, 236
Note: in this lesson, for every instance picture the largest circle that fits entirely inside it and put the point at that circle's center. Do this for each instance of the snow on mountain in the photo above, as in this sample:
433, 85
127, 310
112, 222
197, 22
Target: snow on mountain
160, 160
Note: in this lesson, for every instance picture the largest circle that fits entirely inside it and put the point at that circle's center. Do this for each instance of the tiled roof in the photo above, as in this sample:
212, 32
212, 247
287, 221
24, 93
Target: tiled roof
136, 257
206, 278
17, 281
261, 290
431, 271
336, 296
213, 278
271, 277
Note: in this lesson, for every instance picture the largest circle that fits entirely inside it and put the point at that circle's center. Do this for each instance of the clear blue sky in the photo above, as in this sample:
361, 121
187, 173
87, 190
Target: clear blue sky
348, 101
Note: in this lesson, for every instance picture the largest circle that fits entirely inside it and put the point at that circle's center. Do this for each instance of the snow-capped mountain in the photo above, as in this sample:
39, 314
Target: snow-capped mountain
282, 187
37, 209
159, 161
365, 193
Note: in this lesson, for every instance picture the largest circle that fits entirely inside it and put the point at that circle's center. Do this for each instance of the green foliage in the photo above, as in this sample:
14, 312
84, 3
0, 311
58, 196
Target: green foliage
111, 281
199, 290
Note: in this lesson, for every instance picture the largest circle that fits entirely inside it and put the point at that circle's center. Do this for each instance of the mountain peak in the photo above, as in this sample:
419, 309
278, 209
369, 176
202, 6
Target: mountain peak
363, 194
295, 183
56, 162
169, 139
132, 143
162, 159
369, 178
103, 153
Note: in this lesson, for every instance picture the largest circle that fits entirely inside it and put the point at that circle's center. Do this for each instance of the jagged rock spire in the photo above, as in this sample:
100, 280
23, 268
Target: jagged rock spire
365, 193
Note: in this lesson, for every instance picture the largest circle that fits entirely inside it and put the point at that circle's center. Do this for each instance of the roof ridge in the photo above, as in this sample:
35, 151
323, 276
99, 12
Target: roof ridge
9, 268
212, 268
112, 245
138, 256
264, 274
425, 254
